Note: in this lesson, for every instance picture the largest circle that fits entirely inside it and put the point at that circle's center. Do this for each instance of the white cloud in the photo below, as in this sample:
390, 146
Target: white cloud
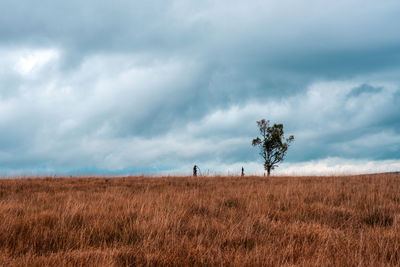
339, 166
327, 166
30, 61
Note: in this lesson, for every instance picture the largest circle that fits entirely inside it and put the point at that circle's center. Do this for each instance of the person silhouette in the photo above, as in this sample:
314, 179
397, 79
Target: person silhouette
242, 171
195, 170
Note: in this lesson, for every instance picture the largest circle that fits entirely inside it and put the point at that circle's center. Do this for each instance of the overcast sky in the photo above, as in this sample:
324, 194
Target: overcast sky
129, 87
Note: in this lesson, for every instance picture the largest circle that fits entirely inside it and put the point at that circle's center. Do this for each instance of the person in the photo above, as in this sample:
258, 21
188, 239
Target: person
242, 171
195, 170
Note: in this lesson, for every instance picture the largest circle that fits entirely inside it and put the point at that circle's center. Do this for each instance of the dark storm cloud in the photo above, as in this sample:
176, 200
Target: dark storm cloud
158, 85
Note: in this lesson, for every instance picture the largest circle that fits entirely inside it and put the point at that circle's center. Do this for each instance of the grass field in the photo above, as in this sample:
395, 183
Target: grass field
185, 221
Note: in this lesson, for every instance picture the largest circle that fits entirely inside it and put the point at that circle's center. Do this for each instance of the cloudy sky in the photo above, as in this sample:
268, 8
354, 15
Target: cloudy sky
131, 87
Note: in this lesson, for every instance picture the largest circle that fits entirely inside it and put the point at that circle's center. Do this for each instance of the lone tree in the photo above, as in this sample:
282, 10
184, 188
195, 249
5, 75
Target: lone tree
273, 145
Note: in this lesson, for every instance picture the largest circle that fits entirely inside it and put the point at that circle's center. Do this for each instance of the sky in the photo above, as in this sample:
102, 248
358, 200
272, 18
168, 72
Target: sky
154, 87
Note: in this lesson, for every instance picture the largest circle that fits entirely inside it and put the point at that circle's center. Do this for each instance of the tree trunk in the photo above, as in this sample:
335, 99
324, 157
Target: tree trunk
269, 171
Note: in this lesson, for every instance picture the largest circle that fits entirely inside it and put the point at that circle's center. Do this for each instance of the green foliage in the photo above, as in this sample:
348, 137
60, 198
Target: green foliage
272, 143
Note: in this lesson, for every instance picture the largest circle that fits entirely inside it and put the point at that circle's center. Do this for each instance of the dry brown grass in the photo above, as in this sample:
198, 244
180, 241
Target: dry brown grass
251, 221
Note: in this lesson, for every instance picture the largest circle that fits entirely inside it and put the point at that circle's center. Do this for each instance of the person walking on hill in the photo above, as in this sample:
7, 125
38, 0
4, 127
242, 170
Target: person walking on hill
195, 170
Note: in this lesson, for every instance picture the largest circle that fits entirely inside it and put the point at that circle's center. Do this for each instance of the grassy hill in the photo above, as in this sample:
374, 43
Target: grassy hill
250, 221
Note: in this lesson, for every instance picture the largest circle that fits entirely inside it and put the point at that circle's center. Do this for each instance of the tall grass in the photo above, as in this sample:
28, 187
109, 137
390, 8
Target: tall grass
177, 221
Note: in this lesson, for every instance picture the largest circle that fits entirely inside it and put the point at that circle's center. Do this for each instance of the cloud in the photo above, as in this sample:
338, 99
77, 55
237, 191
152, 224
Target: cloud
32, 61
156, 86
339, 166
